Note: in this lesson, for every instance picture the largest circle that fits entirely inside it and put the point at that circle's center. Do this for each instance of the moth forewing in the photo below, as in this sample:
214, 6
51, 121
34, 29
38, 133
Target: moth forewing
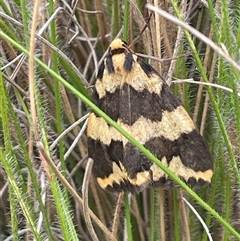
134, 95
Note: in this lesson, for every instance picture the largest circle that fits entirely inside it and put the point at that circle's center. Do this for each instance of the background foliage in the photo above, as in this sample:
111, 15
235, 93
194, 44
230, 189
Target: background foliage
49, 55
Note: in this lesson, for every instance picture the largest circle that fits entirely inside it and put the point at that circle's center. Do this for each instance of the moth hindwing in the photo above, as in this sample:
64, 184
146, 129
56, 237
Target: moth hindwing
134, 95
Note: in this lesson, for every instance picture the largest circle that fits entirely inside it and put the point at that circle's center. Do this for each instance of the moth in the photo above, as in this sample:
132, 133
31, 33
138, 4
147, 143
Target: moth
134, 95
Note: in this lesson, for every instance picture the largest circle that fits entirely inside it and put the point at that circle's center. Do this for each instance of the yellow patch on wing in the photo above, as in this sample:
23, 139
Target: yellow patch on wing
98, 129
157, 172
119, 174
136, 78
180, 169
172, 125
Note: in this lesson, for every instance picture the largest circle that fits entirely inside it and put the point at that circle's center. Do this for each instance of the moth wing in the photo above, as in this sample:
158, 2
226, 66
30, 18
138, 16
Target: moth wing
155, 117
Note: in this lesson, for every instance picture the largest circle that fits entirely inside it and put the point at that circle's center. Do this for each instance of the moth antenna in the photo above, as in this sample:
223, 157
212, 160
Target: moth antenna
135, 40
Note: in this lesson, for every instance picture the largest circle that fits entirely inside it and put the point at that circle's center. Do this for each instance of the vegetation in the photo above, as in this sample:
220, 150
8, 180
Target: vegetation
49, 55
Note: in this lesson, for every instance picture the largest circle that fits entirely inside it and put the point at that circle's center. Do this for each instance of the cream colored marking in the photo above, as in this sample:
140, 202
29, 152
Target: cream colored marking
109, 83
120, 174
98, 129
172, 125
136, 78
179, 169
157, 172
116, 44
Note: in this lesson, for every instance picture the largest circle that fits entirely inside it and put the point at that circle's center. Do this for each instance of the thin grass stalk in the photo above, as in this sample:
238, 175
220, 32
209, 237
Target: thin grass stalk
126, 20
227, 204
177, 222
212, 12
25, 20
5, 8
13, 213
162, 212
127, 204
57, 90
152, 215
186, 225
7, 139
12, 196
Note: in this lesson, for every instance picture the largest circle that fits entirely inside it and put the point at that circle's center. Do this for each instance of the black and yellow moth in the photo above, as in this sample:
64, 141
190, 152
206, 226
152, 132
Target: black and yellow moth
134, 95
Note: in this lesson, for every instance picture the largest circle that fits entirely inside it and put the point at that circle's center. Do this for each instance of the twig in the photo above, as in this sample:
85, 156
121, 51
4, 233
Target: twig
85, 200
76, 140
67, 130
199, 218
179, 81
117, 214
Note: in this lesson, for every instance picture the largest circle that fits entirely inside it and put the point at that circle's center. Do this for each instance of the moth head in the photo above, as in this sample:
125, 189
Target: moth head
117, 46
